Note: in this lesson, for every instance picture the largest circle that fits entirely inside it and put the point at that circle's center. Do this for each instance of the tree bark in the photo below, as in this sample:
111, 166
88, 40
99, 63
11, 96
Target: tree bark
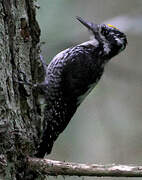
19, 111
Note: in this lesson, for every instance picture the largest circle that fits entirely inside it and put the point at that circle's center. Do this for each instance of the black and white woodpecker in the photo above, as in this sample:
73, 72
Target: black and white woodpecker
72, 74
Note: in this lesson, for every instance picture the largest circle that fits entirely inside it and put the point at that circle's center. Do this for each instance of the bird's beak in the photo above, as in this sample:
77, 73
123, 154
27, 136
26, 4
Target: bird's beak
90, 26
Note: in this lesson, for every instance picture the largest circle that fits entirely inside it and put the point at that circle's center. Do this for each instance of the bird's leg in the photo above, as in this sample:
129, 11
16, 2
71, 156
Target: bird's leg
38, 86
23, 80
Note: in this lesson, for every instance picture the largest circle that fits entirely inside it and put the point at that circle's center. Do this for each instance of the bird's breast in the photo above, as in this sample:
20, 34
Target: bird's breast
83, 96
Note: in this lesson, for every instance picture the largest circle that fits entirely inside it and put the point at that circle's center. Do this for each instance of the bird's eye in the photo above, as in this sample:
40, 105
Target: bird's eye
104, 31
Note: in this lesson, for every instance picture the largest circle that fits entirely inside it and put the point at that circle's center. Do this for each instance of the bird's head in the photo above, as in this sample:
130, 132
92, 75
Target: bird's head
111, 39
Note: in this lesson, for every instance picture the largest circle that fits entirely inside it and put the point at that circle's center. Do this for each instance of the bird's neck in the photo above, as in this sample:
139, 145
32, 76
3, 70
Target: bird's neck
92, 42
97, 50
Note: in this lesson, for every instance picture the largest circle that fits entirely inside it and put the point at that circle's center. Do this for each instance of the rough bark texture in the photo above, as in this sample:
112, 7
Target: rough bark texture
19, 113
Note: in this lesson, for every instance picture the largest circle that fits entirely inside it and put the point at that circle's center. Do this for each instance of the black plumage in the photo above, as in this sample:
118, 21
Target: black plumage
71, 75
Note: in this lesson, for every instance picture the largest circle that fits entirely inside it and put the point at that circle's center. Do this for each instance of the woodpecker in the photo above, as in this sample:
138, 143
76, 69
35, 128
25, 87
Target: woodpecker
72, 74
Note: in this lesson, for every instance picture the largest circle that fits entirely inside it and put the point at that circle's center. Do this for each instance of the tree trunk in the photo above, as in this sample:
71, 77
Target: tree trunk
19, 111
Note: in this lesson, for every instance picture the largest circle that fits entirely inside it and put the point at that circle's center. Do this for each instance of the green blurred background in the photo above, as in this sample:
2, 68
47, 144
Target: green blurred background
107, 128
